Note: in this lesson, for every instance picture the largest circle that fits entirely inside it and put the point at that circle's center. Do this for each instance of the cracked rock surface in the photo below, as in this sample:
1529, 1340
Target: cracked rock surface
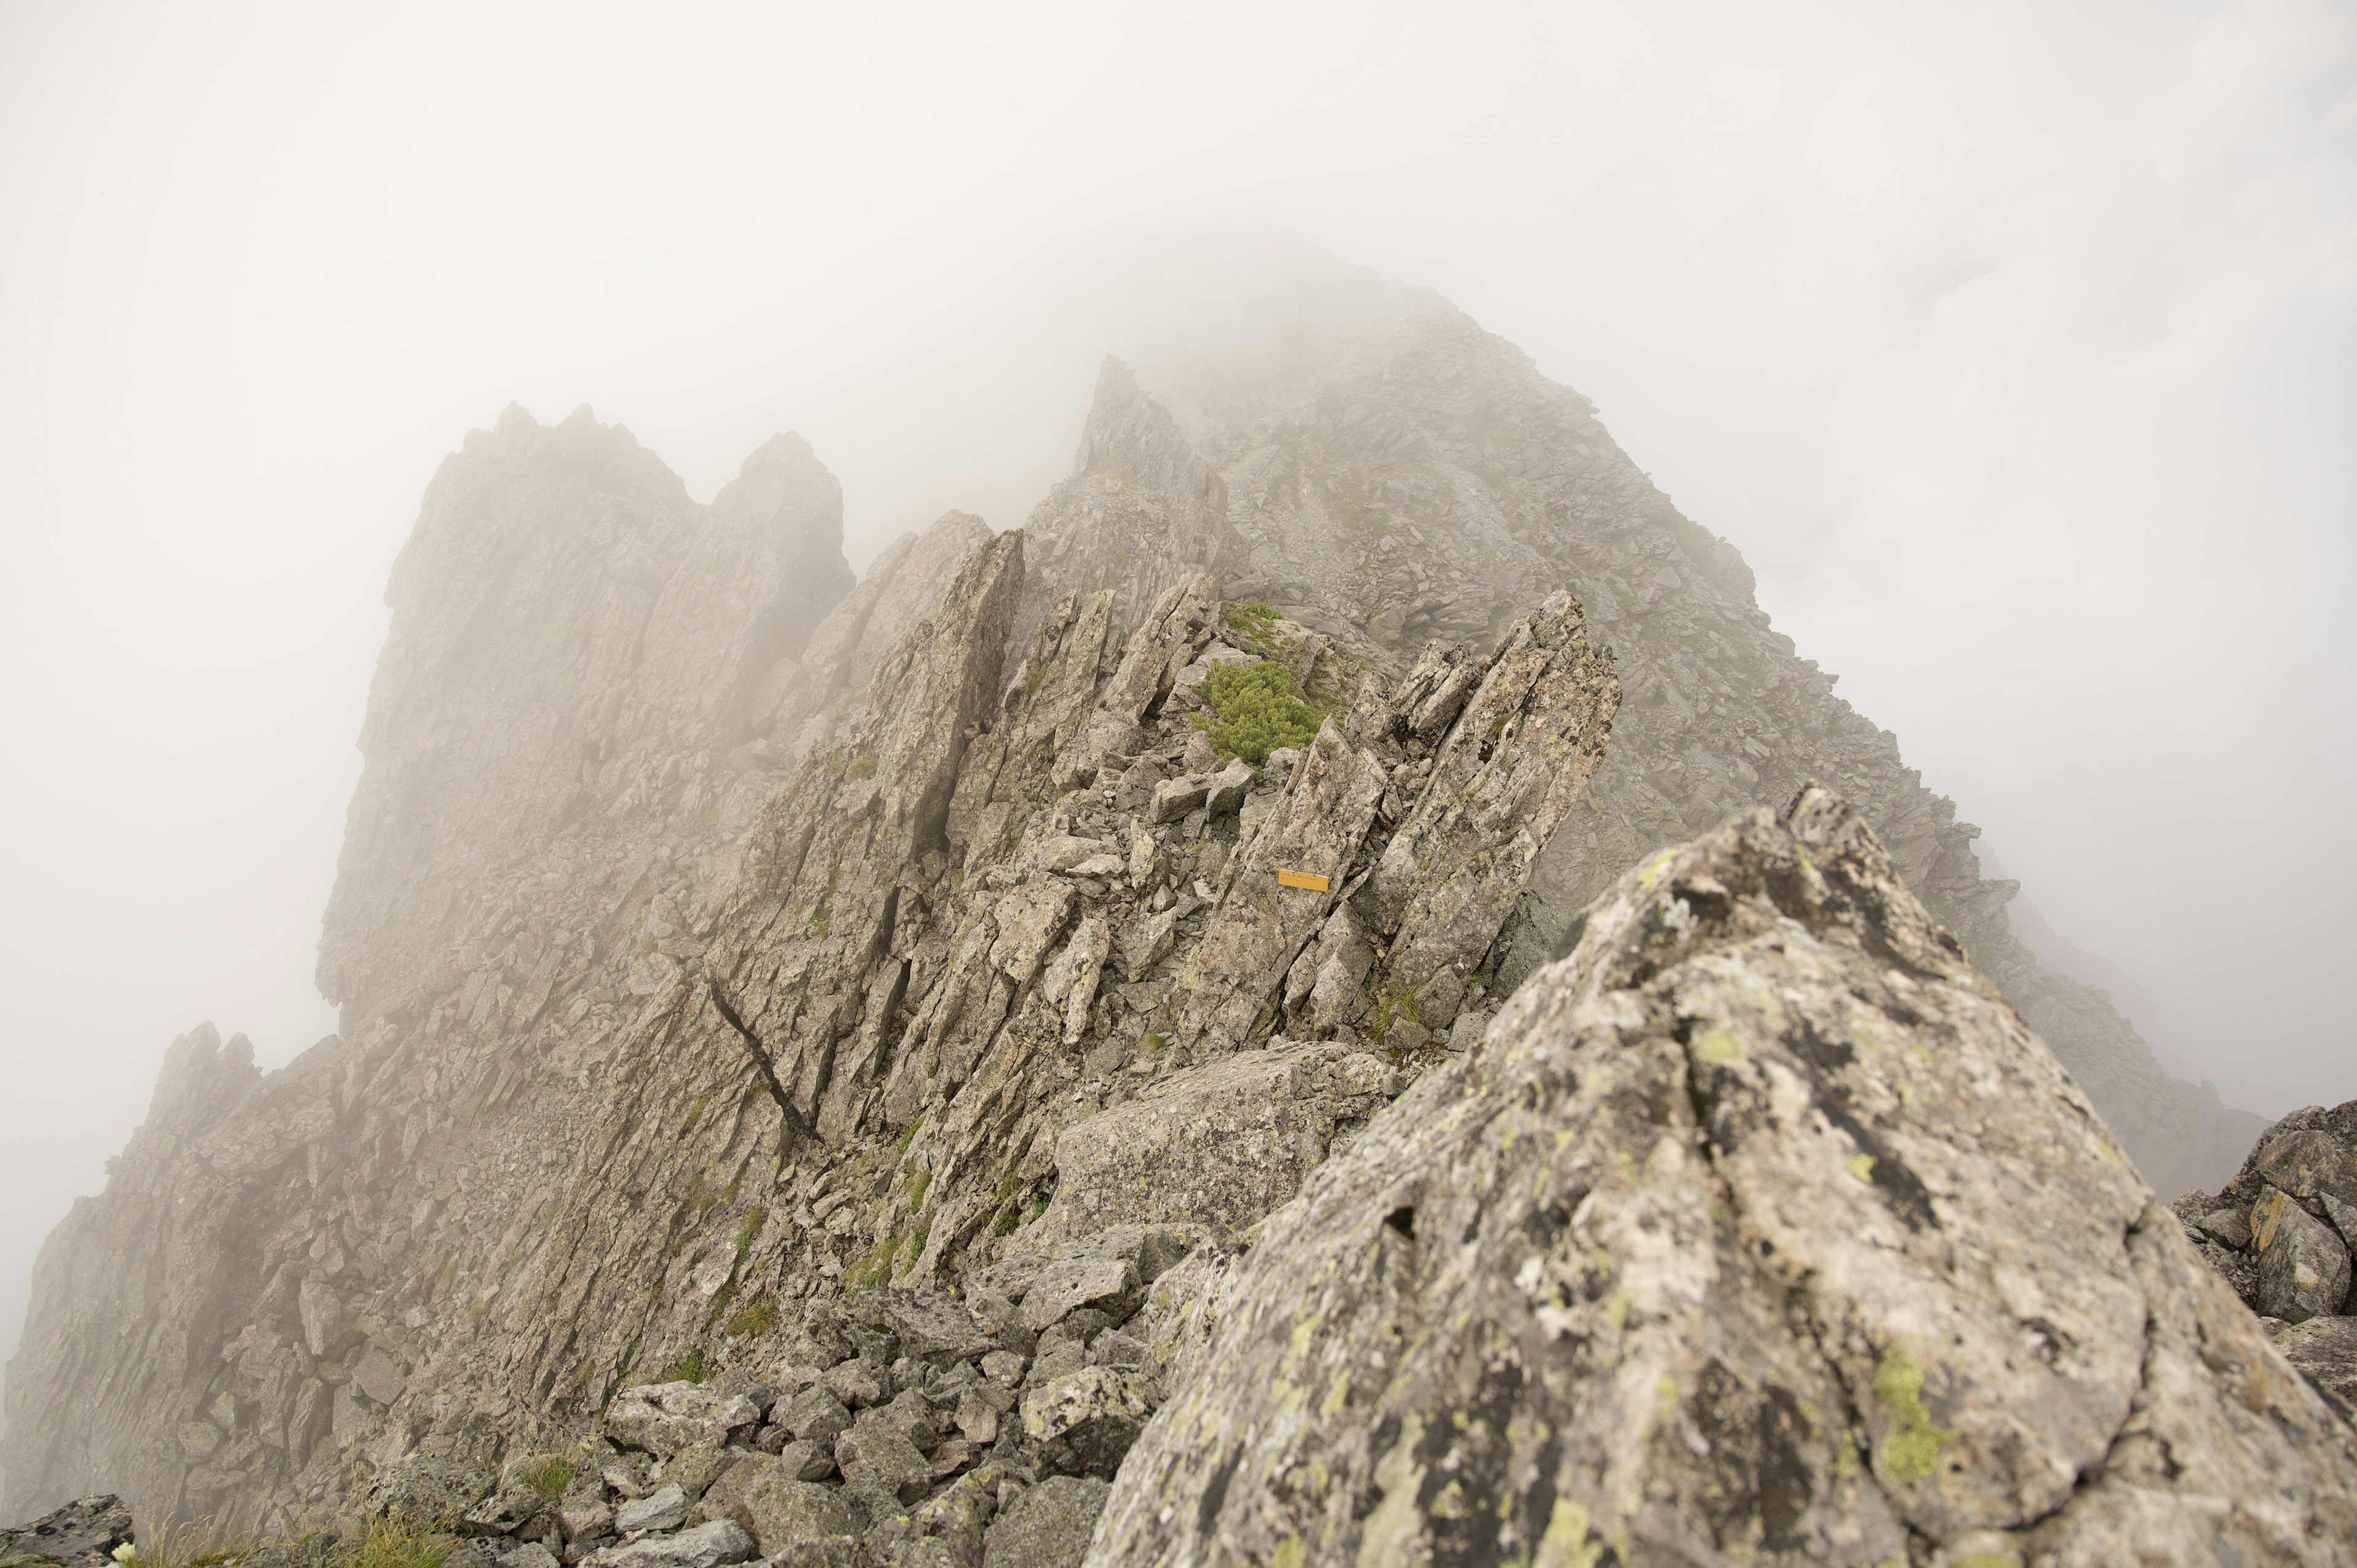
1758, 1228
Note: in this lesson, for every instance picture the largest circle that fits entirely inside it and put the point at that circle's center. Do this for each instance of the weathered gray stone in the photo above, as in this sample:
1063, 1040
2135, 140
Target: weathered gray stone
1047, 1526
726, 1498
1215, 1147
1770, 1212
1075, 1282
2325, 1351
664, 1509
82, 1534
665, 1418
697, 1467
705, 1546
785, 1512
815, 1415
878, 1461
2308, 1162
2303, 1269
1097, 1411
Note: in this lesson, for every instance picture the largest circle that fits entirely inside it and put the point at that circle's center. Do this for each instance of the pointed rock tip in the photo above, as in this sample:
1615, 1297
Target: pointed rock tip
786, 449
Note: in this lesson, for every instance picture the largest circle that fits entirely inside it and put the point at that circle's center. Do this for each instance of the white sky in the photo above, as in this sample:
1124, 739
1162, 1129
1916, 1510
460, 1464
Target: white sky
2015, 344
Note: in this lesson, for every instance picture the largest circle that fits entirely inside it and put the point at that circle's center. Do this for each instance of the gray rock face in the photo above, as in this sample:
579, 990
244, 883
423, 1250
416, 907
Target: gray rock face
1400, 477
665, 1418
1047, 1526
1140, 514
2325, 1351
82, 1534
1758, 1228
705, 1546
786, 1512
891, 1000
665, 1508
2283, 1231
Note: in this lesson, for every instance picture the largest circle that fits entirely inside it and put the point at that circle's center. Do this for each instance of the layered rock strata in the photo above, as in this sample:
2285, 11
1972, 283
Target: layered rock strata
1009, 901
1757, 1228
590, 686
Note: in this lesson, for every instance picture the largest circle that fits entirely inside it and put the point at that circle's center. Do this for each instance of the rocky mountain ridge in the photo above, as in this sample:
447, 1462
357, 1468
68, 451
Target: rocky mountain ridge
719, 941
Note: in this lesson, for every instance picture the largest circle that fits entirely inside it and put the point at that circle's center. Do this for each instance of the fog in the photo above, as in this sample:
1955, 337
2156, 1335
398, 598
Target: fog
2016, 344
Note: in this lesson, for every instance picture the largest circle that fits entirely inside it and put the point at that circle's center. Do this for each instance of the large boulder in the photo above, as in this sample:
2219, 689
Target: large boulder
2283, 1231
666, 1418
709, 1545
1758, 1228
1047, 1527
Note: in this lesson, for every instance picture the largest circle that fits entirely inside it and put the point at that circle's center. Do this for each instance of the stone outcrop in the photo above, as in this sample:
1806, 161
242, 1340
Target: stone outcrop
82, 1534
2282, 1233
1397, 476
1140, 514
1758, 1228
586, 693
742, 1029
828, 1070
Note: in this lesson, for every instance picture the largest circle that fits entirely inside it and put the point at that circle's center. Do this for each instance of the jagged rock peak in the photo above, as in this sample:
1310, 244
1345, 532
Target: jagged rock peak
1401, 475
1141, 512
1758, 1228
1130, 437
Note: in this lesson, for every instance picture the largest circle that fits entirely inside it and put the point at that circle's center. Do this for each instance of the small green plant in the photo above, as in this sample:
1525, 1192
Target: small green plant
1255, 709
1252, 622
747, 1233
546, 1477
394, 1540
755, 1320
691, 1368
861, 766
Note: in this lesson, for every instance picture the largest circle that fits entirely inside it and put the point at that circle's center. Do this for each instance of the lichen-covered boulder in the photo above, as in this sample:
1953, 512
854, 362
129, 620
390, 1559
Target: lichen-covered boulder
2325, 1351
82, 1534
710, 1545
1093, 1416
785, 1512
666, 1418
1047, 1526
1758, 1228
2303, 1269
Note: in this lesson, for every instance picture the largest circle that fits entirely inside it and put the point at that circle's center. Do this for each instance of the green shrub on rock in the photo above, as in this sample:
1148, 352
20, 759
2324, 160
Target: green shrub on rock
1255, 709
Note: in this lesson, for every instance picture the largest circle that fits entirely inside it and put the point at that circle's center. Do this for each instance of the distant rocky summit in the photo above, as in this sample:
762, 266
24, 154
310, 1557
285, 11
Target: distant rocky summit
1171, 1033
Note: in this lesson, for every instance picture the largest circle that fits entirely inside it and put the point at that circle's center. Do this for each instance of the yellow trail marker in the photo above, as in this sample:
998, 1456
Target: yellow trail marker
1308, 879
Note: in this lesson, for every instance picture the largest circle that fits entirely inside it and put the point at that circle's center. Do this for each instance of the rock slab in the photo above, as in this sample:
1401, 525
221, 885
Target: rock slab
1758, 1228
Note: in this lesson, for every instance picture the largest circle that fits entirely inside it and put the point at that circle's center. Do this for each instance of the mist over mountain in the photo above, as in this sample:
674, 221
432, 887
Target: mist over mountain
1074, 640
740, 959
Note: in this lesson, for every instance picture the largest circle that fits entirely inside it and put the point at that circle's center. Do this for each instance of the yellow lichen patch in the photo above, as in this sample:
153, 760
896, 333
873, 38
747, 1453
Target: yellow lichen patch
1394, 1533
1718, 1046
1337, 1396
1652, 872
1565, 1542
1287, 1555
1912, 1451
1666, 1388
1860, 1166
